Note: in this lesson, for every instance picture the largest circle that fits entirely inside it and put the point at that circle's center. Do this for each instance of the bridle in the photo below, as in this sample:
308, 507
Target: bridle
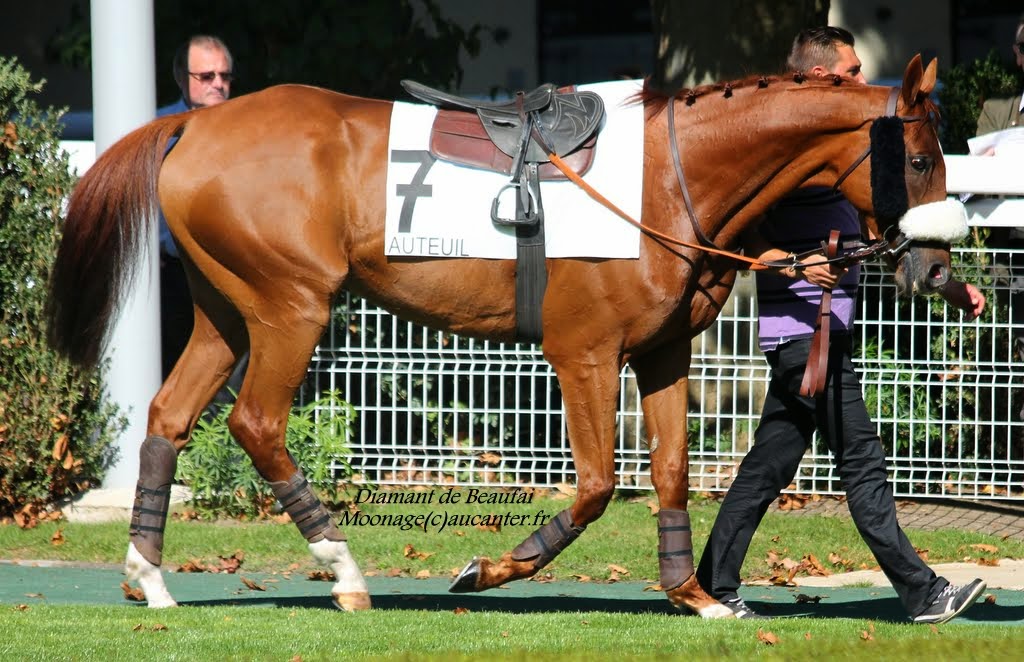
883, 248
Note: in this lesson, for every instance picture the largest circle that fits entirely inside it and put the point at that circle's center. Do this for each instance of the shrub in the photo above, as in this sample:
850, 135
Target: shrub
224, 482
56, 432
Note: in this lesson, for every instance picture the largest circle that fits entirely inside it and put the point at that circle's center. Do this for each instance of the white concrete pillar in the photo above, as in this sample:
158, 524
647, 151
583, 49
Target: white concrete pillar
124, 98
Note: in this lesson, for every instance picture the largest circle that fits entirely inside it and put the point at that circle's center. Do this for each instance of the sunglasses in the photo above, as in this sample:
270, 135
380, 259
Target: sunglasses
209, 76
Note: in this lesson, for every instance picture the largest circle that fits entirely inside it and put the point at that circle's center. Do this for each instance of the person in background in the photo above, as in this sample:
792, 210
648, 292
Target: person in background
788, 301
999, 114
203, 70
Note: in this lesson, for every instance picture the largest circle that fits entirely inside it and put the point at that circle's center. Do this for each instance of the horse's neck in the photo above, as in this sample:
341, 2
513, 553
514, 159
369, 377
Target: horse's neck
771, 148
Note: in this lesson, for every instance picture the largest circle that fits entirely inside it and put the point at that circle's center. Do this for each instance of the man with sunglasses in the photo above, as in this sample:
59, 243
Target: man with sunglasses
787, 301
999, 114
202, 69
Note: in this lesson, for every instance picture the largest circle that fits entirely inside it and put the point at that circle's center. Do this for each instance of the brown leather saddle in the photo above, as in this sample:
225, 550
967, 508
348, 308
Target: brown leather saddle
515, 137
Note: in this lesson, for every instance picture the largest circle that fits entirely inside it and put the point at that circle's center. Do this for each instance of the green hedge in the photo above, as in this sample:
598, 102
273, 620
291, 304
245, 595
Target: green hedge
56, 433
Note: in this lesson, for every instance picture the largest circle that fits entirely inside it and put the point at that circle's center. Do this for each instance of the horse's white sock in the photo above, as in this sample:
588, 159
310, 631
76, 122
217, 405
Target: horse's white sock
138, 569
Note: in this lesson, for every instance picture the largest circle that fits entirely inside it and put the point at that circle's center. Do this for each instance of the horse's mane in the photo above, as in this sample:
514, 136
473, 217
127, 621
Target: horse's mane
655, 100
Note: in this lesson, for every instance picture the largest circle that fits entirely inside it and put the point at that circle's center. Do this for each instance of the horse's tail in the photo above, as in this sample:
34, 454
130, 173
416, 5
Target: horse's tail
108, 219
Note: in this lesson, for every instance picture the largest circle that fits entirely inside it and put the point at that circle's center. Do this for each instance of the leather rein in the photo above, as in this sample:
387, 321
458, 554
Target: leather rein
866, 252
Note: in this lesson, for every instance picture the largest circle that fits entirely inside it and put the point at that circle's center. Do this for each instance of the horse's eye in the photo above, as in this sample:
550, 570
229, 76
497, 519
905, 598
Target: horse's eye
920, 163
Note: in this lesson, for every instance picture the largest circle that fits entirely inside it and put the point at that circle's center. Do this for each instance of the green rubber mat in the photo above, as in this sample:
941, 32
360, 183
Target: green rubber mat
70, 584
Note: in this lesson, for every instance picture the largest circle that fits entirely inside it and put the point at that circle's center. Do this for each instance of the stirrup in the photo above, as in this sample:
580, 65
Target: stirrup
531, 215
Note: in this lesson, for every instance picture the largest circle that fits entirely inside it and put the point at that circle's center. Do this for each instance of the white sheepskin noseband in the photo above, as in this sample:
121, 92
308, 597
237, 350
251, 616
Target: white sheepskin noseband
945, 220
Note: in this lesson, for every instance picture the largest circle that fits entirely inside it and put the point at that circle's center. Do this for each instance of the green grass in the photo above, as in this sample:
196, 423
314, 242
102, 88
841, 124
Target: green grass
625, 535
239, 633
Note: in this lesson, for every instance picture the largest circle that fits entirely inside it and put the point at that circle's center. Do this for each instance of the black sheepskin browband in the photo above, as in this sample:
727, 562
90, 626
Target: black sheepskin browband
888, 158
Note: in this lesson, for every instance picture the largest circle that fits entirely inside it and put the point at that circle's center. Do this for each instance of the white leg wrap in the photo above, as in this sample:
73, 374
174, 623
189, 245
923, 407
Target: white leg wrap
350, 592
138, 569
945, 221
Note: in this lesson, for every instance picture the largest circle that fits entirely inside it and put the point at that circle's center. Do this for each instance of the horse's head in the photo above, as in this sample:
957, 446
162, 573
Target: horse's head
908, 206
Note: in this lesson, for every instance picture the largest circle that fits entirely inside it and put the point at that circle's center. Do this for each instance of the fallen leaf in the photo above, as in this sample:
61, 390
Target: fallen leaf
988, 562
159, 627
866, 636
653, 587
618, 568
923, 553
321, 576
22, 607
57, 539
132, 594
35, 595
504, 633
137, 627
423, 574
767, 638
459, 611
933, 628
653, 507
253, 586
410, 553
990, 599
231, 564
583, 579
565, 489
393, 572
490, 458
982, 547
807, 636
193, 565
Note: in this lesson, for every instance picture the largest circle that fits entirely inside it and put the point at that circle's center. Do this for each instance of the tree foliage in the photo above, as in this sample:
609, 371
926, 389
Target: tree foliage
965, 88
56, 433
362, 48
703, 42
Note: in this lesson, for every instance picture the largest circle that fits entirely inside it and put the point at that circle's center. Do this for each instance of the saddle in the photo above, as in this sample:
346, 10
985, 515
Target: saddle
505, 136
516, 138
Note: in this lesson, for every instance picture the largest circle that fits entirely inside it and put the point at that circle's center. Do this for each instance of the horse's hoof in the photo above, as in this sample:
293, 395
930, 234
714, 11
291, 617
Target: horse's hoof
466, 581
351, 601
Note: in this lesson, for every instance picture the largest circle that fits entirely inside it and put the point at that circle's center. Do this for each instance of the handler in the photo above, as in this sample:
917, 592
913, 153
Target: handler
787, 304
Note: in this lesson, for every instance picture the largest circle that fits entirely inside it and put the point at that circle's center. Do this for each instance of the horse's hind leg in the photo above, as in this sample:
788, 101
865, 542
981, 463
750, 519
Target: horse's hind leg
202, 369
661, 377
282, 343
590, 390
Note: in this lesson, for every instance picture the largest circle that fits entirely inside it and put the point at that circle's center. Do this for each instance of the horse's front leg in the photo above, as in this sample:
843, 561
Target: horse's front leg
661, 377
589, 391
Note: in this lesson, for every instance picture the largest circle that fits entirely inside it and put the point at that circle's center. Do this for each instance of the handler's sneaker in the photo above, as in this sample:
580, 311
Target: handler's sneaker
952, 601
740, 609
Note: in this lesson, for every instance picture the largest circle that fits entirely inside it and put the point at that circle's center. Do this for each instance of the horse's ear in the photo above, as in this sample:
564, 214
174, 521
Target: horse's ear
918, 82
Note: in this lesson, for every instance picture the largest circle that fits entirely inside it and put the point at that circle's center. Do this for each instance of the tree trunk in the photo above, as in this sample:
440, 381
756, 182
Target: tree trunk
704, 42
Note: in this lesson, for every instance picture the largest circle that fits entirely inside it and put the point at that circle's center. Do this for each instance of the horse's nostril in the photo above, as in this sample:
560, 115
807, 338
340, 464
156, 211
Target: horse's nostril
938, 275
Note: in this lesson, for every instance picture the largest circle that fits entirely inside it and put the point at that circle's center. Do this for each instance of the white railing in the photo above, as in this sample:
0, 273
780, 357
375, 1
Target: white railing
947, 397
438, 408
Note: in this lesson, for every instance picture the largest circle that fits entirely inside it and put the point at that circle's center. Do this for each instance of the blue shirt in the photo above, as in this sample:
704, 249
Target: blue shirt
167, 245
787, 307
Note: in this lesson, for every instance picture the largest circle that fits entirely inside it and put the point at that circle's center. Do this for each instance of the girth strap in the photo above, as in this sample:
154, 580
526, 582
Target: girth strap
816, 372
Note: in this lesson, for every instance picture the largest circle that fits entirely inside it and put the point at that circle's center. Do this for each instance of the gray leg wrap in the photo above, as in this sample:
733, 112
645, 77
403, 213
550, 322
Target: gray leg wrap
548, 541
157, 462
305, 509
675, 548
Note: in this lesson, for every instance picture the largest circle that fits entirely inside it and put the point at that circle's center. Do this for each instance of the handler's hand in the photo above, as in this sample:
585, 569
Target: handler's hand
819, 273
964, 296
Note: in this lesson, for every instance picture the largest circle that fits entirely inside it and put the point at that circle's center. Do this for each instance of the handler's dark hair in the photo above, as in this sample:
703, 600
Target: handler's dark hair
818, 47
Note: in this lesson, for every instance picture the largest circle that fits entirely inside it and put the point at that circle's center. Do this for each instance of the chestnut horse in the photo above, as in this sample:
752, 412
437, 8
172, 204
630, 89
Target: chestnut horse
276, 200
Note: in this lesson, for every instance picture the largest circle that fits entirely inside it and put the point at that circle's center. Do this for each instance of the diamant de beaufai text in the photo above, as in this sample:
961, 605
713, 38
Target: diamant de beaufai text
440, 520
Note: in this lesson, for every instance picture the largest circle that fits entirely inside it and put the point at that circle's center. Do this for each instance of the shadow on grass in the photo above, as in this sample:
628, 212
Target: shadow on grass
875, 608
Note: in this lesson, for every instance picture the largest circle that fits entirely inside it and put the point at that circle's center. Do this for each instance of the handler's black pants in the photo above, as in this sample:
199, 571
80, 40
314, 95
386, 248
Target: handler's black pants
788, 421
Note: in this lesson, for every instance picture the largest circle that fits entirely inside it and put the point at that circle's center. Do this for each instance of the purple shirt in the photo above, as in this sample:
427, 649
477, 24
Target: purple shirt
788, 308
